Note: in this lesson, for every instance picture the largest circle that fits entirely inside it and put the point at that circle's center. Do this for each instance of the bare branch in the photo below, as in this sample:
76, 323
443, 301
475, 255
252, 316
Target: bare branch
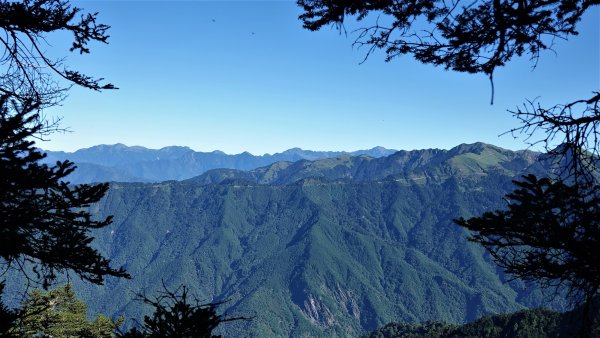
28, 72
477, 37
569, 131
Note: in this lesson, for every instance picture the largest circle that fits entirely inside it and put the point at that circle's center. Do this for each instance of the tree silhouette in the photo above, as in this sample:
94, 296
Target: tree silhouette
176, 317
45, 224
550, 232
575, 126
28, 73
475, 38
43, 220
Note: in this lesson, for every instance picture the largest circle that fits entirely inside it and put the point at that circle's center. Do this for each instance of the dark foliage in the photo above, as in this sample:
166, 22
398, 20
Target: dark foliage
429, 329
44, 223
476, 37
44, 220
175, 317
28, 72
549, 234
537, 323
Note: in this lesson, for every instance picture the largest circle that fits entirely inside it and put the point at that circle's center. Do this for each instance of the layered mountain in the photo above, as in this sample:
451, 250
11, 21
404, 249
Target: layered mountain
120, 163
330, 247
420, 166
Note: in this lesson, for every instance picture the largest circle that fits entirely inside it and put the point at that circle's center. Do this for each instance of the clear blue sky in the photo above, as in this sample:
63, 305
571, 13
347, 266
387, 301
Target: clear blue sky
244, 76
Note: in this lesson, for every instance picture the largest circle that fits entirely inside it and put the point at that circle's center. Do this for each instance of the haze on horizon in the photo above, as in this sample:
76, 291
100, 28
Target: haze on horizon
116, 146
245, 76
119, 145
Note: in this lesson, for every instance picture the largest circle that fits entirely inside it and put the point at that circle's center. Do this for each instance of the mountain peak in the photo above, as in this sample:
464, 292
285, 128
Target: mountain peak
476, 148
174, 148
114, 147
293, 151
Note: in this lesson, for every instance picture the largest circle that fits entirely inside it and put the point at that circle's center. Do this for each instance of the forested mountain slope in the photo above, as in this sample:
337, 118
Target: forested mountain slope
333, 247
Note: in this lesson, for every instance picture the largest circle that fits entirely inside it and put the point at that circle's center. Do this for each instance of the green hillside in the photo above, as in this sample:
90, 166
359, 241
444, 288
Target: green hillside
335, 247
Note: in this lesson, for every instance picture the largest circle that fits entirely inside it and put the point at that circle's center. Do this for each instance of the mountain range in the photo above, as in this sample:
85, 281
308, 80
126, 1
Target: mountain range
335, 246
120, 163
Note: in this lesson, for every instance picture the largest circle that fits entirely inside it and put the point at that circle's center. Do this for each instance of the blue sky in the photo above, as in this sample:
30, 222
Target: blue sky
244, 76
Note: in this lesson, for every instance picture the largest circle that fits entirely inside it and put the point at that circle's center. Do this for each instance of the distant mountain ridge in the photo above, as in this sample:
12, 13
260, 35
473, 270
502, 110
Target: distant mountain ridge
120, 163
